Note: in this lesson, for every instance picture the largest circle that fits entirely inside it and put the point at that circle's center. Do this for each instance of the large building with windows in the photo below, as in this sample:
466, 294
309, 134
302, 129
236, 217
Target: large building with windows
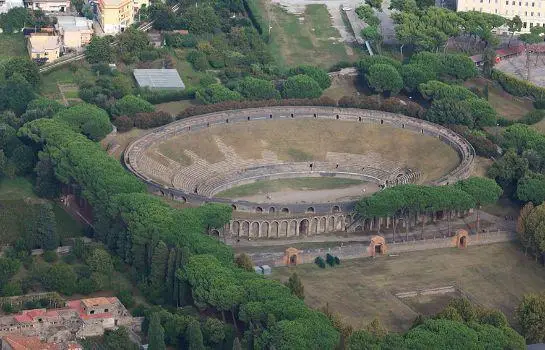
531, 12
115, 15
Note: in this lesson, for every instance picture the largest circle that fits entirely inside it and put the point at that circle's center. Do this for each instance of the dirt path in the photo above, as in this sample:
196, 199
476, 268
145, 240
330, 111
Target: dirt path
314, 196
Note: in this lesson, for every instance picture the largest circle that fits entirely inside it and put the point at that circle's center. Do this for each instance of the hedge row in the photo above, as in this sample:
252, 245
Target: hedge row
482, 145
260, 24
142, 121
518, 87
161, 96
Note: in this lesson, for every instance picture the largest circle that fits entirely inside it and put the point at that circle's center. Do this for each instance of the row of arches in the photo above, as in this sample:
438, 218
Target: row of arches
285, 210
289, 227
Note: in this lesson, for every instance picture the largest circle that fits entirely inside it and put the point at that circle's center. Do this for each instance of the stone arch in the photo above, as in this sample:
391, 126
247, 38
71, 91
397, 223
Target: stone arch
235, 228
273, 232
226, 121
272, 210
461, 239
285, 211
259, 210
359, 119
331, 224
234, 207
215, 233
339, 223
254, 229
377, 246
264, 229
292, 229
314, 226
336, 209
337, 117
304, 227
292, 115
348, 220
323, 225
245, 228
310, 210
283, 229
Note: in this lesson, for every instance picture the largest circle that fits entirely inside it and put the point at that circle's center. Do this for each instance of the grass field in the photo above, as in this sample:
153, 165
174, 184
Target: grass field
495, 276
16, 200
507, 106
304, 183
173, 108
342, 86
306, 38
296, 140
50, 81
12, 45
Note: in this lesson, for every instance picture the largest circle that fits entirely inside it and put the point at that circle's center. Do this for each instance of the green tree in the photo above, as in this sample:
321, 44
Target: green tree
100, 261
318, 74
244, 262
15, 19
213, 330
376, 4
296, 286
46, 227
16, 94
366, 13
25, 67
99, 50
46, 185
514, 25
23, 159
531, 188
414, 75
194, 336
301, 86
257, 89
216, 93
8, 268
531, 317
156, 333
508, 170
132, 42
484, 191
449, 111
384, 78
118, 339
88, 119
130, 105
61, 278
202, 19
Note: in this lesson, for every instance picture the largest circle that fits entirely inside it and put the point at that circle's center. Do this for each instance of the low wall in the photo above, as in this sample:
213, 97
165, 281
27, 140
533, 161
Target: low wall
357, 251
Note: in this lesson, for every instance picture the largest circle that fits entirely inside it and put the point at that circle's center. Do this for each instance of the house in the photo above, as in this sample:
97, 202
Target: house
158, 79
17, 342
115, 15
75, 32
78, 319
138, 4
42, 46
48, 5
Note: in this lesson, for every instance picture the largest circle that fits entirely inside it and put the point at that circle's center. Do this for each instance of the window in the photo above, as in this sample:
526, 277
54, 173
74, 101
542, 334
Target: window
531, 25
531, 14
507, 2
520, 3
105, 310
533, 4
496, 11
524, 25
526, 13
92, 312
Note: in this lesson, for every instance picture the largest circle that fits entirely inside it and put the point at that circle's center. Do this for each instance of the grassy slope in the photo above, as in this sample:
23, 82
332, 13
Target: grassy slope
16, 198
309, 183
12, 45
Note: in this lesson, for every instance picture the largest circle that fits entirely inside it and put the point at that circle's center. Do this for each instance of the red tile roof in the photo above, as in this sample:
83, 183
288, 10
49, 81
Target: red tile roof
28, 343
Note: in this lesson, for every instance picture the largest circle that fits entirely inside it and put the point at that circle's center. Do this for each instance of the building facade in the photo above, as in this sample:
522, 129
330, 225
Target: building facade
115, 15
531, 12
49, 5
42, 46
75, 32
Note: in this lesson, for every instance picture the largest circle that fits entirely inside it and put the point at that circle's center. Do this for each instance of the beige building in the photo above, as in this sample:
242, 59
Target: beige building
49, 5
44, 46
115, 15
75, 32
531, 12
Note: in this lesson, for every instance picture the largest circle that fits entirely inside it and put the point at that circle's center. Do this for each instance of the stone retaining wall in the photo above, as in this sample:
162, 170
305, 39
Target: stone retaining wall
136, 150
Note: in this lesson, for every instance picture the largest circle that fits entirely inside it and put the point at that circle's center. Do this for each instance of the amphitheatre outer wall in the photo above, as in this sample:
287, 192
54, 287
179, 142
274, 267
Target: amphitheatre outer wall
135, 152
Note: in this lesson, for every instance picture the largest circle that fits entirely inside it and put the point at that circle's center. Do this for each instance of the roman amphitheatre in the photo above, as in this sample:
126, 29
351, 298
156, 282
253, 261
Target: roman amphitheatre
294, 162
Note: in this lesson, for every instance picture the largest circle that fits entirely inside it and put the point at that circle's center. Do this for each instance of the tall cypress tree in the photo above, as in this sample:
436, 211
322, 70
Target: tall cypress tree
156, 333
194, 336
46, 227
158, 271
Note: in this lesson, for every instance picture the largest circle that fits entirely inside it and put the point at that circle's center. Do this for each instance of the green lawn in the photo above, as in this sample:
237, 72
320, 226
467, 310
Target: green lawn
16, 202
12, 45
304, 183
190, 76
308, 38
65, 75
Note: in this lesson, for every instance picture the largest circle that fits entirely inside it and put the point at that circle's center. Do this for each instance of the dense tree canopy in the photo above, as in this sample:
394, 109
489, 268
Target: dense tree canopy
301, 86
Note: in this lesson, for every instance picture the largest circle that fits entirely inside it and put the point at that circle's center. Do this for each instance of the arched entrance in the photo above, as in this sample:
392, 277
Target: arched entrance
377, 246
303, 227
461, 239
292, 257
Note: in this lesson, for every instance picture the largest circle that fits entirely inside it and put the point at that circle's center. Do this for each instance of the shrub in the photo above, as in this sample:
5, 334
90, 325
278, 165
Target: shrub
161, 96
368, 61
198, 60
130, 105
258, 89
216, 93
337, 260
518, 87
320, 262
384, 78
318, 74
179, 40
301, 86
482, 145
123, 123
151, 120
533, 117
330, 259
88, 119
50, 256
